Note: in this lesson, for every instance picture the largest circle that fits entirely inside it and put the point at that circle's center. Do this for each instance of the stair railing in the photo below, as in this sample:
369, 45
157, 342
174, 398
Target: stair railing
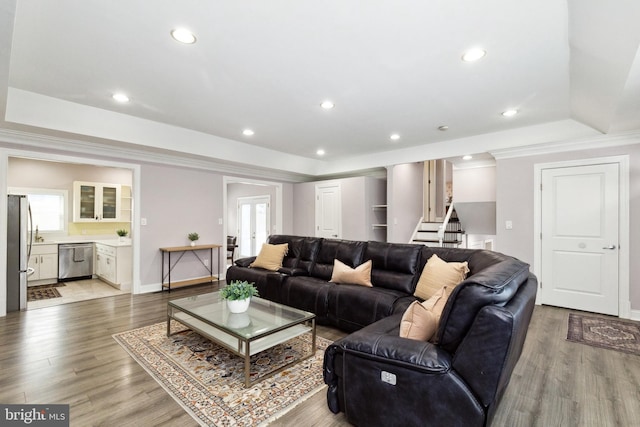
445, 223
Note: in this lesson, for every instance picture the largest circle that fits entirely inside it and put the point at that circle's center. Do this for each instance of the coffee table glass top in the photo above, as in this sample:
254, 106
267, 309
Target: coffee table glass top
262, 318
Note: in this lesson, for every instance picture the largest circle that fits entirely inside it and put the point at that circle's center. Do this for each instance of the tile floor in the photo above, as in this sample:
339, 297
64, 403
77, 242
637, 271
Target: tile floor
78, 291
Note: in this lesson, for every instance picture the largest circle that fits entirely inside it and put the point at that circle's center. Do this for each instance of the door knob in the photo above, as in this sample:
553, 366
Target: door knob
610, 247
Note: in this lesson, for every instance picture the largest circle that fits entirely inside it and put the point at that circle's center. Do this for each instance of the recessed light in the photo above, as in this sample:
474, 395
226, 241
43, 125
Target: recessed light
247, 132
443, 128
327, 105
320, 152
473, 54
509, 113
394, 137
183, 36
467, 157
120, 97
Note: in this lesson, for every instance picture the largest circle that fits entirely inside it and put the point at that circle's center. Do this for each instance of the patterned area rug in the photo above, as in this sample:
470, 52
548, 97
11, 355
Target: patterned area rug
208, 381
36, 293
605, 333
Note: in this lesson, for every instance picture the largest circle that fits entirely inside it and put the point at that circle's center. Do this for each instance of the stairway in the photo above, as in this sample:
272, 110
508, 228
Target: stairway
427, 233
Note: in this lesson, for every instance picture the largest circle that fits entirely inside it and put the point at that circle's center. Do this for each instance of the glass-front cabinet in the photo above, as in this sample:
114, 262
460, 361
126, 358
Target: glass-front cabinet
93, 201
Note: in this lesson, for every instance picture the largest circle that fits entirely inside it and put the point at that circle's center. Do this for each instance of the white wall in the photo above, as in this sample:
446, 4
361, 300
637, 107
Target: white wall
474, 184
515, 202
404, 201
357, 195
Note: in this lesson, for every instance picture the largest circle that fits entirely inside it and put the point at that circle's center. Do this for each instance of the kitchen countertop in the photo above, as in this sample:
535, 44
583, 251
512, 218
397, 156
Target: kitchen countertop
108, 242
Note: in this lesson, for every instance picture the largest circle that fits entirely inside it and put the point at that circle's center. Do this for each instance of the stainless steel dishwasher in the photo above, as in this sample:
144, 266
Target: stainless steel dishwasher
75, 261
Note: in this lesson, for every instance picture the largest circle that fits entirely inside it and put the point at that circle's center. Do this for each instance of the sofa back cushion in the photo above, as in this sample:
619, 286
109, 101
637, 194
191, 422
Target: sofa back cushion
295, 243
395, 265
493, 280
347, 251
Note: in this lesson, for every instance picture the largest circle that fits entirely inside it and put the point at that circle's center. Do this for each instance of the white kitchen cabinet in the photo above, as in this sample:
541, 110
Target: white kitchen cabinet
44, 261
113, 265
93, 201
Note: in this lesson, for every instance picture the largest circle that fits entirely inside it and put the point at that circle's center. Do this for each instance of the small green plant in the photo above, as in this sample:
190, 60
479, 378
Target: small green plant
237, 290
122, 232
193, 236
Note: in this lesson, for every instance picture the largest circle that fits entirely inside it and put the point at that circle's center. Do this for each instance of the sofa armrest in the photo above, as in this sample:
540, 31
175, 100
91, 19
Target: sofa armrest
244, 262
381, 341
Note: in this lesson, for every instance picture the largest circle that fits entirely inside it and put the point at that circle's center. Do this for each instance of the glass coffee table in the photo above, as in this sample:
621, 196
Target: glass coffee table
264, 325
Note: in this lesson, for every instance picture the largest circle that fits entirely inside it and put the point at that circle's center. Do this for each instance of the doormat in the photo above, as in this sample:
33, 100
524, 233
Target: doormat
208, 381
37, 293
601, 332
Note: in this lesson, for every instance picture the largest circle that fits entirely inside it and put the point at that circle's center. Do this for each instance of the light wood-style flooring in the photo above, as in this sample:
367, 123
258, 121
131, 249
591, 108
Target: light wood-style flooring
66, 354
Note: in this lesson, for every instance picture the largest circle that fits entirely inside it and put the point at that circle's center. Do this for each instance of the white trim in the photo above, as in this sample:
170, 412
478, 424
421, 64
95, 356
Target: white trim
123, 150
624, 301
578, 144
635, 315
318, 187
6, 153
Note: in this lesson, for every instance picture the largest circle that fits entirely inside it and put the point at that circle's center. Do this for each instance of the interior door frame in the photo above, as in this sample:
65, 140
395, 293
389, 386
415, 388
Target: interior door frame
624, 302
242, 199
226, 180
318, 190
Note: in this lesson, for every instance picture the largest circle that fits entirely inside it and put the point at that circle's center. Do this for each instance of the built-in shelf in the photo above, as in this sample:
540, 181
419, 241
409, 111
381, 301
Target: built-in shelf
379, 207
379, 225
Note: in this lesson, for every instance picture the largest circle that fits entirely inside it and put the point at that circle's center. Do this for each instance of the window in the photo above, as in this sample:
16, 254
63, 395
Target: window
47, 208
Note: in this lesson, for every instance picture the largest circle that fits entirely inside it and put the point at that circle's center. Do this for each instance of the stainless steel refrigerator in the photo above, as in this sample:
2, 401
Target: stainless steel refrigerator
18, 251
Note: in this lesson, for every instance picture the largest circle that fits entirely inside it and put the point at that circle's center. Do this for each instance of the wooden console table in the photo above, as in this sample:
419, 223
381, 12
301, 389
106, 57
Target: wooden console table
180, 251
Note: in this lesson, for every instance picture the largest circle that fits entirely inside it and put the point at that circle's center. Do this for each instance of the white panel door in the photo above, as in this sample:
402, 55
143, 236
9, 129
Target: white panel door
253, 224
328, 211
580, 220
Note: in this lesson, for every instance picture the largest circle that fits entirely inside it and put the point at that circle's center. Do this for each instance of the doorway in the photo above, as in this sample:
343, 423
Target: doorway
253, 224
582, 242
328, 211
54, 223
237, 188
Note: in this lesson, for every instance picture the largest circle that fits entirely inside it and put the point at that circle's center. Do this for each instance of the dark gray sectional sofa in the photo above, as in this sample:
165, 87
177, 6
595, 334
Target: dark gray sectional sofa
378, 378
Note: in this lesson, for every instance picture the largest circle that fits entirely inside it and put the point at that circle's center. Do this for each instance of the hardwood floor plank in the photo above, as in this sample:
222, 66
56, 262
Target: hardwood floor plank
66, 354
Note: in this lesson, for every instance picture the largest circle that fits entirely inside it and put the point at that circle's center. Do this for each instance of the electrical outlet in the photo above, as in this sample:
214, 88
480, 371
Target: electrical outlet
508, 225
206, 262
143, 221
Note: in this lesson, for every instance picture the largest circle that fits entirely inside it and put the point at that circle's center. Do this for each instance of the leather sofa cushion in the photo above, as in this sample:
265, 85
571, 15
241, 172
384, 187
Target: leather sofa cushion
307, 293
349, 252
394, 265
351, 307
294, 243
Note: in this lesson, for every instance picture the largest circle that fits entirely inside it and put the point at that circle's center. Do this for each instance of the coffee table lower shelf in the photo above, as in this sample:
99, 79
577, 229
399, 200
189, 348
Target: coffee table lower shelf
244, 347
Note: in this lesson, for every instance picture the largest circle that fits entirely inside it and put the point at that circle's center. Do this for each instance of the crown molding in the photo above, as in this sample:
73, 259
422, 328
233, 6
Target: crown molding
56, 144
577, 144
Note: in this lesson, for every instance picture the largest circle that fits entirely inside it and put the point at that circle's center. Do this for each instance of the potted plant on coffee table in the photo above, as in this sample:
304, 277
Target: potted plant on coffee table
238, 295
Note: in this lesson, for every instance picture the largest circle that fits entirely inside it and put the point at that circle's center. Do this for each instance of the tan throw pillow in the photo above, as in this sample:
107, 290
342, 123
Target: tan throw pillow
270, 256
438, 273
418, 322
361, 275
436, 303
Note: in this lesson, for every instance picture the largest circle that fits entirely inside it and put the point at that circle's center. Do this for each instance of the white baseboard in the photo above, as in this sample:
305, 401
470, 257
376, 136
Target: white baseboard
635, 315
153, 287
